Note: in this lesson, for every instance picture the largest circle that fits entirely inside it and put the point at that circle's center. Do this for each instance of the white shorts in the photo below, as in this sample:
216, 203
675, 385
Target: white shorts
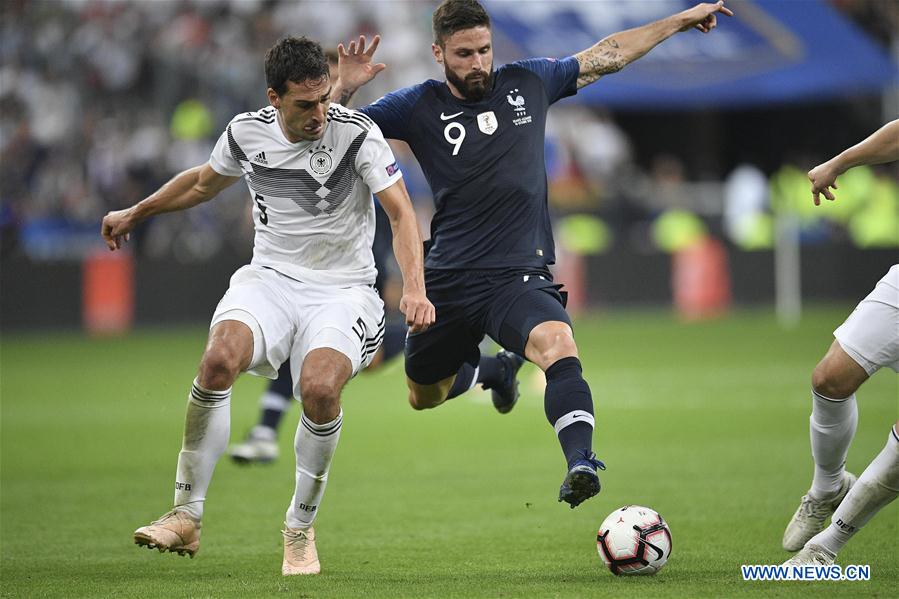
290, 318
871, 333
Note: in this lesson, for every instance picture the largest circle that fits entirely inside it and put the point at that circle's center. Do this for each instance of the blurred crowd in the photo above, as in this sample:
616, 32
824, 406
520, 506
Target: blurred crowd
101, 101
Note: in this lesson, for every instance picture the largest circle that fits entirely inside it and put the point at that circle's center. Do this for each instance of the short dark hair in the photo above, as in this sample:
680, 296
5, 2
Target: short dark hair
455, 15
294, 59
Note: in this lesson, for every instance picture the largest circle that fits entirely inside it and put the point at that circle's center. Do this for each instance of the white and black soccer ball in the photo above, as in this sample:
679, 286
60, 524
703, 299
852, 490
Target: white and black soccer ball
634, 540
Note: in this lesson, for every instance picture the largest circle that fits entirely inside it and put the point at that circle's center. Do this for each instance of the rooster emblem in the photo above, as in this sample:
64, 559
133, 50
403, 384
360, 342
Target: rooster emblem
517, 102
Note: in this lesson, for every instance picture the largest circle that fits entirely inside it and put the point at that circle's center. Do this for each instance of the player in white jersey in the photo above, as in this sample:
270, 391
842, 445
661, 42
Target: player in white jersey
867, 341
260, 446
306, 297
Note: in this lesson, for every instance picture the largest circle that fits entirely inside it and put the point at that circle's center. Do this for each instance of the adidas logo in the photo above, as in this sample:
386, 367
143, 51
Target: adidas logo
260, 158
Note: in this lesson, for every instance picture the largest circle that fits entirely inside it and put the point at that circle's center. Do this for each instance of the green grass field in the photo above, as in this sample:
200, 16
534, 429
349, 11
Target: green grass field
707, 423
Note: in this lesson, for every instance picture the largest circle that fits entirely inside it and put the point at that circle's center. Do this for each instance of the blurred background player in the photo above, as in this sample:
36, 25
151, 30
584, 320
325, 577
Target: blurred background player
261, 442
307, 296
479, 138
865, 342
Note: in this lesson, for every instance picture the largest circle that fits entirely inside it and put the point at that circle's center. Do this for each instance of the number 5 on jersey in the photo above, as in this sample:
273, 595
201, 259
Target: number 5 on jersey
455, 140
263, 217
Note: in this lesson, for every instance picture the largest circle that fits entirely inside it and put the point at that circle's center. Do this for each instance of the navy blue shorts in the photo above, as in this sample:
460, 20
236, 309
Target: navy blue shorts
505, 304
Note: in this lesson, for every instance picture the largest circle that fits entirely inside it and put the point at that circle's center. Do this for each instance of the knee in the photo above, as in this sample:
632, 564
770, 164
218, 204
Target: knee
551, 346
416, 402
421, 402
219, 367
827, 381
319, 391
425, 397
321, 400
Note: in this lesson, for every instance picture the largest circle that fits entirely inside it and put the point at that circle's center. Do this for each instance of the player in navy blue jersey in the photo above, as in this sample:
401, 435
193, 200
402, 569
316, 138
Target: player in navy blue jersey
479, 137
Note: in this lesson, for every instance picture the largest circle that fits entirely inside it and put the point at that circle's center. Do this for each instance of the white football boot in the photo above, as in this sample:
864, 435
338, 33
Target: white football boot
811, 514
811, 555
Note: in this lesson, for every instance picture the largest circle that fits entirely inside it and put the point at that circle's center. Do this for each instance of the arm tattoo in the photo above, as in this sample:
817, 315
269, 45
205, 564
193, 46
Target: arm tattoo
603, 58
344, 97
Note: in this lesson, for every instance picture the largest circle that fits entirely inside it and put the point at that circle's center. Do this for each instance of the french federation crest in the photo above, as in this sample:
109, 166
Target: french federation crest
517, 102
320, 162
487, 122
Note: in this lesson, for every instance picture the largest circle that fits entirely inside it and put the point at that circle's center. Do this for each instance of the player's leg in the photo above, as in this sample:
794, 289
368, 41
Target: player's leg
877, 486
206, 430
435, 356
568, 404
426, 370
535, 323
833, 421
444, 361
325, 371
261, 443
338, 340
497, 373
246, 334
832, 427
865, 342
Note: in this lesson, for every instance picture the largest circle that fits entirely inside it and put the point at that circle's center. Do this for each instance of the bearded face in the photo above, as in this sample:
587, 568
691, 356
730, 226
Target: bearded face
474, 86
467, 59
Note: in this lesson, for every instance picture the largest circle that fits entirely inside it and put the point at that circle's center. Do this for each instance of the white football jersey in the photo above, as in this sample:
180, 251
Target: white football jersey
312, 206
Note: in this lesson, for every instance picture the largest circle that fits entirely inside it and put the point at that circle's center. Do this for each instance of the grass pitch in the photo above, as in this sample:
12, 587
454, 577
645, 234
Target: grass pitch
707, 423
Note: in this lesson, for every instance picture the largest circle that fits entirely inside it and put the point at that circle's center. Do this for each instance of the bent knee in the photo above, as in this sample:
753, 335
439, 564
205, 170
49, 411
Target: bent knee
563, 348
833, 382
548, 347
219, 367
321, 400
317, 391
837, 375
425, 397
830, 387
420, 401
417, 403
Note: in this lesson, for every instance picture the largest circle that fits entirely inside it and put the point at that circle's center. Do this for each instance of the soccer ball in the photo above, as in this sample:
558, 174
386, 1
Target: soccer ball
634, 540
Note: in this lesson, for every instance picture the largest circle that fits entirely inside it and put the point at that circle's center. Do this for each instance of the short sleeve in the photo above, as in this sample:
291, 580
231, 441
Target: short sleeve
392, 112
221, 160
559, 76
375, 162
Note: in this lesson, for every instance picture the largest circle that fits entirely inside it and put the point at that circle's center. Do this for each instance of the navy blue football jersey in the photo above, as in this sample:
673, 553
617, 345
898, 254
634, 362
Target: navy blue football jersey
484, 162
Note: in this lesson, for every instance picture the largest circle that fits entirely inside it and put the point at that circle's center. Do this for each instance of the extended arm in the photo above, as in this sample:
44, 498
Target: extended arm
613, 53
407, 247
185, 190
880, 146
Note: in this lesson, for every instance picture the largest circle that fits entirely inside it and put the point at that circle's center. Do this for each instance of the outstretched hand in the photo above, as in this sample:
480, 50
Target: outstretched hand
823, 177
355, 66
704, 16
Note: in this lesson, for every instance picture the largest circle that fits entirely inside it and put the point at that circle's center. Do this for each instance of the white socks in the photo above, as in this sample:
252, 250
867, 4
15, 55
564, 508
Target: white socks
876, 487
206, 432
315, 445
831, 428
